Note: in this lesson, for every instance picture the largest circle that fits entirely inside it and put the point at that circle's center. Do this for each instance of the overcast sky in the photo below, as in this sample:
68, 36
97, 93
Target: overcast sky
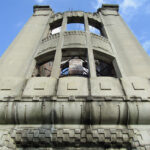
15, 13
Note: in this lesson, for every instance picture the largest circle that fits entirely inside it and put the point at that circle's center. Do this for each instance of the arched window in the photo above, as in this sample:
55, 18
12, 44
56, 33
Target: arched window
96, 27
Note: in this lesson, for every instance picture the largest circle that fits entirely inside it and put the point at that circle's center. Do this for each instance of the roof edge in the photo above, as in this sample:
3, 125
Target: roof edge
41, 7
109, 6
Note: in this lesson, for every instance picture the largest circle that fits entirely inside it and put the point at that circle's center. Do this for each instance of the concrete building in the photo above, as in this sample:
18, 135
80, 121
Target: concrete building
75, 90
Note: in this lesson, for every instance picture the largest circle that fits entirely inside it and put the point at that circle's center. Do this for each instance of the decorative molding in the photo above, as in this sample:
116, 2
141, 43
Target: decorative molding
41, 15
41, 8
109, 9
94, 16
31, 137
74, 33
102, 38
50, 37
58, 16
101, 43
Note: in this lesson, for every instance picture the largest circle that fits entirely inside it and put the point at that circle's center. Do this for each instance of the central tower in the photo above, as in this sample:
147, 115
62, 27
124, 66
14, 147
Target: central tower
75, 89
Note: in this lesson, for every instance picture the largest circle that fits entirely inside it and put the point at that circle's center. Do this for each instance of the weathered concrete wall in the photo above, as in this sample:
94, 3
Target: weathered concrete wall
133, 58
75, 112
17, 59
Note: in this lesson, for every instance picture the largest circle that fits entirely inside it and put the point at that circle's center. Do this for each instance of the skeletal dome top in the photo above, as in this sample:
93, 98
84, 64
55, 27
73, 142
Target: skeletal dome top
76, 43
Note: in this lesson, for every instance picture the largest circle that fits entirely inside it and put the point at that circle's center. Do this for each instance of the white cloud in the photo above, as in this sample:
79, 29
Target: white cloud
92, 29
129, 4
129, 8
57, 30
42, 1
146, 46
97, 4
39, 1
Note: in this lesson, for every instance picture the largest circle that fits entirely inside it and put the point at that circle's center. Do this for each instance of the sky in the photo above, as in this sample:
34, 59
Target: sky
15, 13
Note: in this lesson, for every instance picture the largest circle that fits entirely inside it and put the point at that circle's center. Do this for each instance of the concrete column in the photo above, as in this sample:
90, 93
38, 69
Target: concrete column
132, 57
91, 60
16, 60
117, 65
58, 55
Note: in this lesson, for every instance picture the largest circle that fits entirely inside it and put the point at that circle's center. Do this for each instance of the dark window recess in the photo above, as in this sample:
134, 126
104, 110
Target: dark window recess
43, 70
104, 69
95, 27
55, 27
74, 63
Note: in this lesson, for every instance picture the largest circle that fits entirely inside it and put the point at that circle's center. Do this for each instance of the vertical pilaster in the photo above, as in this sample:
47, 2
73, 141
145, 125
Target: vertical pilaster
58, 55
117, 65
89, 48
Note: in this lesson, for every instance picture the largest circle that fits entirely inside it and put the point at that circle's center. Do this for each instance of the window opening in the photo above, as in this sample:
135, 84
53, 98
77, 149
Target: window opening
94, 30
104, 69
56, 30
75, 27
55, 27
95, 27
74, 64
44, 65
43, 70
104, 65
75, 24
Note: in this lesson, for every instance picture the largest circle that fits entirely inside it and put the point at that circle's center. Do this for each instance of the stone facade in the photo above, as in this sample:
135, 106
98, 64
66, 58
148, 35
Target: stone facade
75, 90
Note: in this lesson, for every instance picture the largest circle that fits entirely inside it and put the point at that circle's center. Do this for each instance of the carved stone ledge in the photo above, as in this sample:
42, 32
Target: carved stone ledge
100, 43
100, 37
33, 137
74, 33
56, 17
41, 8
45, 50
53, 36
75, 13
94, 16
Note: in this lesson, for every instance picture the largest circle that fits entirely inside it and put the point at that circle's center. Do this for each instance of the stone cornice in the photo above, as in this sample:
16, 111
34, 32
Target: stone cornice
109, 7
41, 8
